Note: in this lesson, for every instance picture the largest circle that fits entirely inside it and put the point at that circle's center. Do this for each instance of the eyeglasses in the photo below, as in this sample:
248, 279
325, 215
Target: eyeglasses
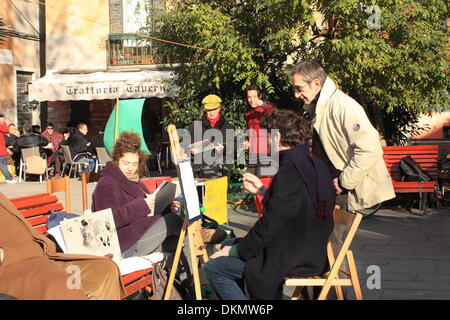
299, 89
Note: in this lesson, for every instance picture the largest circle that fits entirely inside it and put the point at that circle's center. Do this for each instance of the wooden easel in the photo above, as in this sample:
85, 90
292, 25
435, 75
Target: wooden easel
196, 245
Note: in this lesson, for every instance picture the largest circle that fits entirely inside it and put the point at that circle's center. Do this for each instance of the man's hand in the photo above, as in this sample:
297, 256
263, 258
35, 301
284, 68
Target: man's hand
336, 186
224, 252
252, 183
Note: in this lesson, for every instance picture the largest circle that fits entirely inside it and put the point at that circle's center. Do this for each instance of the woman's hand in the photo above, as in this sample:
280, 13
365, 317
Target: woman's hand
219, 147
252, 183
224, 252
175, 206
195, 151
151, 204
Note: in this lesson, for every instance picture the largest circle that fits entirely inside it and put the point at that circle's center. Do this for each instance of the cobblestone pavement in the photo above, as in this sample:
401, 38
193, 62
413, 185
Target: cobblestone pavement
411, 251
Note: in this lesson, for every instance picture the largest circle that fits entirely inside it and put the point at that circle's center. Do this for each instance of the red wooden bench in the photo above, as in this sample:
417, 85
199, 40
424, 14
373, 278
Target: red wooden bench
425, 155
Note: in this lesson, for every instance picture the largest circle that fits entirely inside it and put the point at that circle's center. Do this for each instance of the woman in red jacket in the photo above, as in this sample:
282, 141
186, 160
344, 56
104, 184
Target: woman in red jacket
256, 144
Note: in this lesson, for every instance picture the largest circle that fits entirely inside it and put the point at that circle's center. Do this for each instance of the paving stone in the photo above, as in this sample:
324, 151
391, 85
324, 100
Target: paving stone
434, 277
443, 269
414, 285
402, 294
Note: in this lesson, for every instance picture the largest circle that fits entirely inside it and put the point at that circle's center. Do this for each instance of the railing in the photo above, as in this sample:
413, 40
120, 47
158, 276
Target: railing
129, 49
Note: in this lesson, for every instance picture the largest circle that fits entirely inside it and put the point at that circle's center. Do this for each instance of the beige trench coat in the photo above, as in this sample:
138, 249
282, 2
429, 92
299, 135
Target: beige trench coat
353, 146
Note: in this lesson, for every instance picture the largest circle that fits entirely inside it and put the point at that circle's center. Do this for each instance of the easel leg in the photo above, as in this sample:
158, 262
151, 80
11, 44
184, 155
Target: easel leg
176, 259
194, 259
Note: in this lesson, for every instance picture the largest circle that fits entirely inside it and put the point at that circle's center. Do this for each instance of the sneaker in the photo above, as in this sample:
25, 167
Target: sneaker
11, 181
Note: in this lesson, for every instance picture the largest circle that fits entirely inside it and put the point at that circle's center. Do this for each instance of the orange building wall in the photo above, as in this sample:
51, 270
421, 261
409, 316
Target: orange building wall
435, 124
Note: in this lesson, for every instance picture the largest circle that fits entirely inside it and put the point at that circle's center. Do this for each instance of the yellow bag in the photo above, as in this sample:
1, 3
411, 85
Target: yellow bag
35, 165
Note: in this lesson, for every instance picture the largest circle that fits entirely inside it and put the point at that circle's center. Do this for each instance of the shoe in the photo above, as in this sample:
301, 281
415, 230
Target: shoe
11, 181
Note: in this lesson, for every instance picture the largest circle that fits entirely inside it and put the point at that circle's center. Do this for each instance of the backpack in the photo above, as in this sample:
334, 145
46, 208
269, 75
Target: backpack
160, 277
35, 165
410, 170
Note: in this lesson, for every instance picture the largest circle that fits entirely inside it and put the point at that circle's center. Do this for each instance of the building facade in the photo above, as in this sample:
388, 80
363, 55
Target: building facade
19, 61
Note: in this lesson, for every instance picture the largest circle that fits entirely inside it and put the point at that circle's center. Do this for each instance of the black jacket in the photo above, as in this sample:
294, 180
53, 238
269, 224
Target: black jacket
97, 141
287, 240
222, 125
29, 141
78, 143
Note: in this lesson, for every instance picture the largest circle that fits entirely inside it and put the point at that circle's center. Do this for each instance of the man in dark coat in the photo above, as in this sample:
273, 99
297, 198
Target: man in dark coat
291, 237
78, 143
29, 140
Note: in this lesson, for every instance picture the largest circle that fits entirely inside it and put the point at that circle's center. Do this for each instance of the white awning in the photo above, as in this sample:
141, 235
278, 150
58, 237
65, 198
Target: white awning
100, 85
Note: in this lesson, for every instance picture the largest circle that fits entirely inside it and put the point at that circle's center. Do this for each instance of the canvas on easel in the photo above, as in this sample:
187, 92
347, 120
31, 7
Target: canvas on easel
192, 219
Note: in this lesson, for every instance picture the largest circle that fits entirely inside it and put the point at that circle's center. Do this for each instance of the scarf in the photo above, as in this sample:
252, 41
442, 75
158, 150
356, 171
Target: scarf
213, 122
315, 176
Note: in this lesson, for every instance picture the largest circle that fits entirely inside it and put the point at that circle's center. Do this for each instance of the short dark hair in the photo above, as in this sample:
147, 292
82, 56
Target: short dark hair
50, 124
293, 129
309, 70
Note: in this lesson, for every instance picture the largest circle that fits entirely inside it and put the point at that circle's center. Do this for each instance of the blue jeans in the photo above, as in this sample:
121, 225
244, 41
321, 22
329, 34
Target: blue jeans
4, 167
224, 273
91, 163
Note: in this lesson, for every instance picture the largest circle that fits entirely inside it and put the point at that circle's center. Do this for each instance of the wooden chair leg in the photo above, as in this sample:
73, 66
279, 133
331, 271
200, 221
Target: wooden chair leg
338, 289
354, 275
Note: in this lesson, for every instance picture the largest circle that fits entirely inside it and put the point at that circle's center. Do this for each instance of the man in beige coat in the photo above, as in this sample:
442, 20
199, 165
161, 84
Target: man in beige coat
31, 269
344, 139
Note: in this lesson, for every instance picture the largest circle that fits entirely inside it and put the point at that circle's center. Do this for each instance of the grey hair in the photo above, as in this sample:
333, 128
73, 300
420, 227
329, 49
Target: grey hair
309, 70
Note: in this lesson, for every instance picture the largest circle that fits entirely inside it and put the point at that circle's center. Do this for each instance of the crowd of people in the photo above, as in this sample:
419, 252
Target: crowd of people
332, 156
49, 142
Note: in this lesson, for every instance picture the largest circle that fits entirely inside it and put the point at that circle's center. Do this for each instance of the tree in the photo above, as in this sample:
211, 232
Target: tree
389, 55
238, 43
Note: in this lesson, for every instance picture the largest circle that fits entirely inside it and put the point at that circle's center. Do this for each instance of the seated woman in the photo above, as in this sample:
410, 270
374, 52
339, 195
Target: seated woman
291, 237
139, 231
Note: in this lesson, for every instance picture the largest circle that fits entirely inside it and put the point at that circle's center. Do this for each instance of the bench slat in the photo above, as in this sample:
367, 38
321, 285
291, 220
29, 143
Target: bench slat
429, 147
44, 199
41, 210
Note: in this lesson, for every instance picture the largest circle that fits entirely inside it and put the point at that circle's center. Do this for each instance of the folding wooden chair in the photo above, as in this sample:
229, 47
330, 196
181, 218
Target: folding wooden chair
331, 278
60, 185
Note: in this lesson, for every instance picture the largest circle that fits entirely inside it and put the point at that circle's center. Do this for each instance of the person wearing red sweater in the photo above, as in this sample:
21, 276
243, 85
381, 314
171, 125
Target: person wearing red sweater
3, 152
256, 144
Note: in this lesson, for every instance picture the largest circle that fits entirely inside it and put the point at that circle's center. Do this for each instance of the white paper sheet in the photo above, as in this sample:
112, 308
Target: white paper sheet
189, 188
132, 264
56, 232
